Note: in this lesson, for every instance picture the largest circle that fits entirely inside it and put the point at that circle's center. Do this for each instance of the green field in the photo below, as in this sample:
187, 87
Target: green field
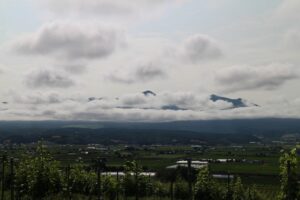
256, 164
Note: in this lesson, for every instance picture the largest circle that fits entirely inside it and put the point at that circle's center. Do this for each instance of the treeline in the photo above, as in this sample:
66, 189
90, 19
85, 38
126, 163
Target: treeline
39, 176
111, 136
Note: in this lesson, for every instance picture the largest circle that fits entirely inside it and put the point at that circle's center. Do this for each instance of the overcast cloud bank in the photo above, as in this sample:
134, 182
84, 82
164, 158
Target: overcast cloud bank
55, 54
136, 107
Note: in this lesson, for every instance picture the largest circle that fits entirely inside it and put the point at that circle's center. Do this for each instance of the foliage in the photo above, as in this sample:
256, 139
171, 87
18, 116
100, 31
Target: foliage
238, 190
181, 189
288, 174
110, 188
39, 175
129, 182
252, 194
160, 190
134, 183
206, 188
82, 181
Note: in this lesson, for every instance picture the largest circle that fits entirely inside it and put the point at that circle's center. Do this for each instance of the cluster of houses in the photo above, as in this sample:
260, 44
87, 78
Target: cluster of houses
194, 164
198, 164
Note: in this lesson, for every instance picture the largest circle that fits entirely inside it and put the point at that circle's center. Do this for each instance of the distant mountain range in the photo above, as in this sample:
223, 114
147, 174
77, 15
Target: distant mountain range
211, 131
242, 126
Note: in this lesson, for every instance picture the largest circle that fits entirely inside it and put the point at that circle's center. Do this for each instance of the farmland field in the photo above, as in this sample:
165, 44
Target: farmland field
256, 164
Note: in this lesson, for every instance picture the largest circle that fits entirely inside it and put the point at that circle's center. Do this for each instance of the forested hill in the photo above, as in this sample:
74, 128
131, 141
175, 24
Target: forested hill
242, 126
206, 131
126, 136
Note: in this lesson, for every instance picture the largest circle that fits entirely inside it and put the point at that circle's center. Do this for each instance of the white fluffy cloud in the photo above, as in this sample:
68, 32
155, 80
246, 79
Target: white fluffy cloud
105, 7
2, 68
292, 39
72, 68
268, 77
192, 50
139, 73
287, 11
200, 48
48, 79
70, 41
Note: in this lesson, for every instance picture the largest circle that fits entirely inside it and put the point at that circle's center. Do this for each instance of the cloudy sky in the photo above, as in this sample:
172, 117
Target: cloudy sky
55, 55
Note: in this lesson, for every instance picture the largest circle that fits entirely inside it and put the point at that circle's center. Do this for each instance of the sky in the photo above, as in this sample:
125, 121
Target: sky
91, 59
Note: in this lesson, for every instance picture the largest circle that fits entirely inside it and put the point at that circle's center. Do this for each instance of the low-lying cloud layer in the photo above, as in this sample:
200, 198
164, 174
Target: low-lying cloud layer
135, 107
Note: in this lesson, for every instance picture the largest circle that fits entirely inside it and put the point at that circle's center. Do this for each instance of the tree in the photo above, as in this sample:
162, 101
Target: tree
206, 188
238, 190
229, 191
130, 181
181, 189
159, 190
252, 194
289, 189
145, 186
82, 181
128, 185
110, 187
38, 176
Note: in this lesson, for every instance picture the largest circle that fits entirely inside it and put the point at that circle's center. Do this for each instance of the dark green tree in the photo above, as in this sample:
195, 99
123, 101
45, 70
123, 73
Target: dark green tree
206, 188
181, 189
110, 187
289, 189
38, 176
130, 182
82, 181
159, 190
238, 190
252, 194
